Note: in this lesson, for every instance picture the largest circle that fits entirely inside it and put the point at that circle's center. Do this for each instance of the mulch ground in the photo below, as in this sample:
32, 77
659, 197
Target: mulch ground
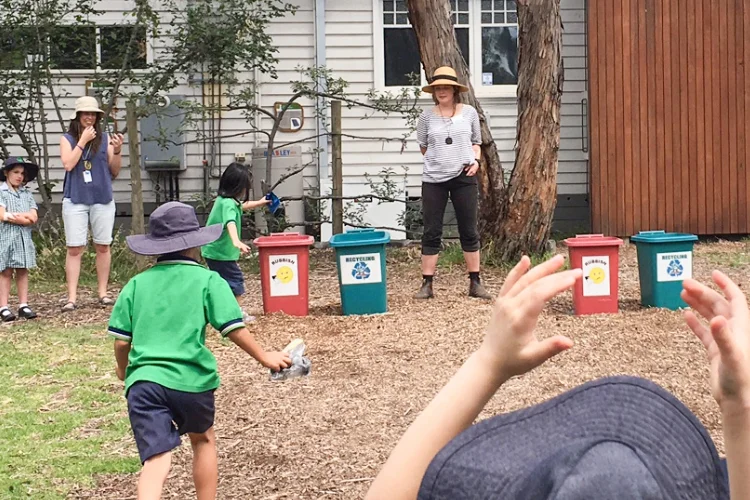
326, 436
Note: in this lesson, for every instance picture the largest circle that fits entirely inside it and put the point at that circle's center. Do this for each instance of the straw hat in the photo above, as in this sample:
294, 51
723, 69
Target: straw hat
86, 103
445, 75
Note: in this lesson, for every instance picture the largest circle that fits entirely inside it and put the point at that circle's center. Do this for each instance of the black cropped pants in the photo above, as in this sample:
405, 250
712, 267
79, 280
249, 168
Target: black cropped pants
464, 194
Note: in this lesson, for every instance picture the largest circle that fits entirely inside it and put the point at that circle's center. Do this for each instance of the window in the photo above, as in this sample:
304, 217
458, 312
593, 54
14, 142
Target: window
499, 42
15, 45
72, 47
113, 41
76, 47
486, 32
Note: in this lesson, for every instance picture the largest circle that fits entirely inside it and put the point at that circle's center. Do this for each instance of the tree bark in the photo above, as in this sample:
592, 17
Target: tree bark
431, 22
531, 195
516, 218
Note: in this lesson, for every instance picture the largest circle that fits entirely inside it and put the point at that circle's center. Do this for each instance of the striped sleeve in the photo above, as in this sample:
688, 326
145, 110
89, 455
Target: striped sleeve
121, 320
476, 129
231, 326
422, 126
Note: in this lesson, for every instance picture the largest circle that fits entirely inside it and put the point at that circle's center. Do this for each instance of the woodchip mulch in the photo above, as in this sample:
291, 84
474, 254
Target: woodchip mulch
327, 435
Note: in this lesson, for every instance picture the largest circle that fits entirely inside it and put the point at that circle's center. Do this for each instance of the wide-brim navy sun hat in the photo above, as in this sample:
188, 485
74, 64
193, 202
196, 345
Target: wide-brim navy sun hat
30, 170
614, 438
173, 227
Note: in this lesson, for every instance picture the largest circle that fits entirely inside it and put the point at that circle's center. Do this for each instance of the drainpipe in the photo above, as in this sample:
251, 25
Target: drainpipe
258, 101
320, 60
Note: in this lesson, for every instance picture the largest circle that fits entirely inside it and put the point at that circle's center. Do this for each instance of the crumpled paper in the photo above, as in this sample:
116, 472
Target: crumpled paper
301, 365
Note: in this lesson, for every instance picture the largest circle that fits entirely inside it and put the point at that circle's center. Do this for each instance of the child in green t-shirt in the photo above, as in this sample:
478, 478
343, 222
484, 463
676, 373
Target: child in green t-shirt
159, 324
222, 255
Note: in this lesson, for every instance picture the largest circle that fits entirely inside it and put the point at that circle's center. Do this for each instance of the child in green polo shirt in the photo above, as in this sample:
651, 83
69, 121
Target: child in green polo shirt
222, 255
159, 325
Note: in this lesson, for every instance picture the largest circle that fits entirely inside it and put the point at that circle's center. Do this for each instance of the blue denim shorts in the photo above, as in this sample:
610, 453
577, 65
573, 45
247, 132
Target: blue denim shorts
231, 272
159, 416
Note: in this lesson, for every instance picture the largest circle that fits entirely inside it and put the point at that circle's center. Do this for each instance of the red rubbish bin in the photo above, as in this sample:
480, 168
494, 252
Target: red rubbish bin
598, 256
284, 263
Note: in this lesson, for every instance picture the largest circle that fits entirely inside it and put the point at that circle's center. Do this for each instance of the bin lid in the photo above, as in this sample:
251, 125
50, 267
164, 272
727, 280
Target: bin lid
593, 240
662, 237
284, 240
359, 237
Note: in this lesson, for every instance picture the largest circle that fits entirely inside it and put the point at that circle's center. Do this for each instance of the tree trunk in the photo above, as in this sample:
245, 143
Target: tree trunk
432, 26
532, 191
516, 218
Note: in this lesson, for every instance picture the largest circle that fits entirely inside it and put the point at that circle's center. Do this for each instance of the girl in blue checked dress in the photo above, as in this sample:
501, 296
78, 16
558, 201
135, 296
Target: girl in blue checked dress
18, 212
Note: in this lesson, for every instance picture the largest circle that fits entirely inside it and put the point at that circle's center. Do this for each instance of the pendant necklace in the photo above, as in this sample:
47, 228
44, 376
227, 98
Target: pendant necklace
449, 139
87, 157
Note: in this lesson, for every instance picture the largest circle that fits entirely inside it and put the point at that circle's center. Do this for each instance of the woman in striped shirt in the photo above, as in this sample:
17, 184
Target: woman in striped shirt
449, 137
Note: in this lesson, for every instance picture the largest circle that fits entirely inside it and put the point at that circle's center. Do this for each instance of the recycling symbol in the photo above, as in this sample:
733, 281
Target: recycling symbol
675, 268
361, 271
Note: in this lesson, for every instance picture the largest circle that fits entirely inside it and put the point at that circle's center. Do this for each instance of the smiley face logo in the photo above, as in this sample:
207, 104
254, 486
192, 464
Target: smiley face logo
597, 275
284, 274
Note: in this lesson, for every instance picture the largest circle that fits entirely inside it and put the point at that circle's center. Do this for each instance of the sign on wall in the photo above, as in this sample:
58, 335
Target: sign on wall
360, 269
675, 266
596, 276
284, 275
294, 116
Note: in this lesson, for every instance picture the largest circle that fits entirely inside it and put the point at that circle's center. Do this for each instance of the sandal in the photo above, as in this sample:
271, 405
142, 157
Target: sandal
6, 315
69, 306
106, 301
26, 312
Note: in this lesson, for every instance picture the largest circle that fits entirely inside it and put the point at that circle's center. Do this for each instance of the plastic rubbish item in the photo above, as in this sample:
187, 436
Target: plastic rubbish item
275, 202
300, 364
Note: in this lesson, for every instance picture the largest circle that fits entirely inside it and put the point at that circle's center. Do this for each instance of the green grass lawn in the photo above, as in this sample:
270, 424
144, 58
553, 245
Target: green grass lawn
63, 417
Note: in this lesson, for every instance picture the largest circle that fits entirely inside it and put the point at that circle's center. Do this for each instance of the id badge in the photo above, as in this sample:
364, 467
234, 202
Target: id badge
86, 176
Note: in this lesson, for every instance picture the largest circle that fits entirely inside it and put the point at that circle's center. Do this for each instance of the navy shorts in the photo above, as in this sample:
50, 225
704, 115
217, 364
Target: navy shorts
159, 416
231, 272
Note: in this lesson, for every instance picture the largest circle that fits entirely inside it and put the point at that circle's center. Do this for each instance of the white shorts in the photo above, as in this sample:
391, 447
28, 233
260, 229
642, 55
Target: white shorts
77, 217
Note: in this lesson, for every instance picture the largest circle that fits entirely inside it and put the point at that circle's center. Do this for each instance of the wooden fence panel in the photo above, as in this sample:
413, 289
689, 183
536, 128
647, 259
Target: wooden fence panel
669, 91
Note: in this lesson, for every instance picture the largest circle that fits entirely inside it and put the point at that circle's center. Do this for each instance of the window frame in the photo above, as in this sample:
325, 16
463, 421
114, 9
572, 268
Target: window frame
475, 55
98, 54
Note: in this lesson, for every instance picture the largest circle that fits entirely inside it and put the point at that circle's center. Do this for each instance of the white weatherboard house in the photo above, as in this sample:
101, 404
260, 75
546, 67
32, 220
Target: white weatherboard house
369, 44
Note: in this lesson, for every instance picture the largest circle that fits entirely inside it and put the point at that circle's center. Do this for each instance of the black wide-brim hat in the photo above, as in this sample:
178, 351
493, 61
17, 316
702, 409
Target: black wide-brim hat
173, 227
614, 438
30, 170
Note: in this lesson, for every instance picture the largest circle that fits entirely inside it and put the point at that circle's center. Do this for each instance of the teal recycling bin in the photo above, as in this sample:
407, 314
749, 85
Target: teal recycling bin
665, 260
360, 259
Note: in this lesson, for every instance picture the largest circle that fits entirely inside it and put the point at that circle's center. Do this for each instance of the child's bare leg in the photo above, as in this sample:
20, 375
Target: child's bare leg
22, 283
6, 277
153, 476
205, 464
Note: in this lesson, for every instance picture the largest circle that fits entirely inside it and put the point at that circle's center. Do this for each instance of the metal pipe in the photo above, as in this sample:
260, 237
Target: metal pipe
320, 60
257, 117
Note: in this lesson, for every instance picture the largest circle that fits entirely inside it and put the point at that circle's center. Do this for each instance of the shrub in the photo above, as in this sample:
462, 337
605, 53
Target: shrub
51, 253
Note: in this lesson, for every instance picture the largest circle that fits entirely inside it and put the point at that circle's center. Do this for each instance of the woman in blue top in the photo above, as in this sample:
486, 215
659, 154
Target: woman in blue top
91, 160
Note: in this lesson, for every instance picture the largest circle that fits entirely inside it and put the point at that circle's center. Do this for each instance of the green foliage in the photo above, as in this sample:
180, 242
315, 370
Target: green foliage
63, 418
452, 256
51, 252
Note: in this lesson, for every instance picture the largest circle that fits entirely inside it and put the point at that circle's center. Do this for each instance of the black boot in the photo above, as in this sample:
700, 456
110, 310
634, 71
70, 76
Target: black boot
476, 288
425, 292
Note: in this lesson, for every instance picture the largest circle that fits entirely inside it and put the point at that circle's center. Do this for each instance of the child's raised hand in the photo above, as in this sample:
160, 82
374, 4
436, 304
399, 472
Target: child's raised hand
276, 360
726, 337
510, 347
249, 205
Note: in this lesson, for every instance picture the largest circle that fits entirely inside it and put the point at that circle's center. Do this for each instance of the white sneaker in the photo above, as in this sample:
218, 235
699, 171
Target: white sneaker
247, 318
